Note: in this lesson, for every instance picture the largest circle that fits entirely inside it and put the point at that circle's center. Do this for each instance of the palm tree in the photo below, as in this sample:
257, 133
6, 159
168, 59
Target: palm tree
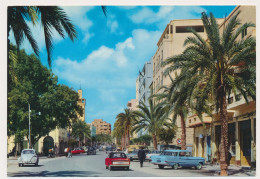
125, 120
51, 17
152, 119
81, 130
176, 105
216, 67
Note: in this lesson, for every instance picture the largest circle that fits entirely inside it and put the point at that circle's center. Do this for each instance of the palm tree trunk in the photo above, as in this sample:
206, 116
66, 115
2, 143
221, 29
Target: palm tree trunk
223, 148
183, 134
154, 142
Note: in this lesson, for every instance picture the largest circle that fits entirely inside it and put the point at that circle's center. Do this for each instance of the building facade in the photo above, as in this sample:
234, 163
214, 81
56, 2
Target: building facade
241, 116
170, 44
102, 127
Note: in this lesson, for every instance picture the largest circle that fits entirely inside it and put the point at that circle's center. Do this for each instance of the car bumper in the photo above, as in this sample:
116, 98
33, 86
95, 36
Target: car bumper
165, 164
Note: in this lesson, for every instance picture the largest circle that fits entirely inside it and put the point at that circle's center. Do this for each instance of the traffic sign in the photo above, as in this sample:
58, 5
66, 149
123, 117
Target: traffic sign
178, 141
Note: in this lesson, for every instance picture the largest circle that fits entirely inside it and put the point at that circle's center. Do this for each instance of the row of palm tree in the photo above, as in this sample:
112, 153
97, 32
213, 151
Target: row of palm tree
209, 71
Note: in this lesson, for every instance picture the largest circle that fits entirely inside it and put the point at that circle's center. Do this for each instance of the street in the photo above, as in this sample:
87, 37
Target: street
83, 165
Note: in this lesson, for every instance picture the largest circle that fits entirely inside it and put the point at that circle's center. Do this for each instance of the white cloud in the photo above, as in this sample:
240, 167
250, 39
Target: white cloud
78, 15
109, 73
165, 14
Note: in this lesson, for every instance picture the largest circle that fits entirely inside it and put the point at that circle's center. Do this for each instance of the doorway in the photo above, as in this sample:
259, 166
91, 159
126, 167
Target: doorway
245, 142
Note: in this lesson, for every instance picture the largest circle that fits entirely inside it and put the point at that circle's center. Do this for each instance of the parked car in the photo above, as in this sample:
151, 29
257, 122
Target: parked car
77, 151
177, 158
91, 151
117, 160
153, 153
28, 156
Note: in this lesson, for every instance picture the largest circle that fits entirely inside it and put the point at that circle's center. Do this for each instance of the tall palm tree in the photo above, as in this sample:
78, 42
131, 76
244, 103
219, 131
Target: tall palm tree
126, 119
152, 119
81, 130
216, 67
51, 17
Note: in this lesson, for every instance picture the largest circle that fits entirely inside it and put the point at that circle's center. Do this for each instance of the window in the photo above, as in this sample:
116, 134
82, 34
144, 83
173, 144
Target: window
171, 29
187, 29
244, 33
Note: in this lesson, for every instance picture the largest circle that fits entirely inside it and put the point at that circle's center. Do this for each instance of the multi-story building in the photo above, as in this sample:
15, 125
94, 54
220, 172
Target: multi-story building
102, 127
170, 44
242, 116
132, 105
143, 82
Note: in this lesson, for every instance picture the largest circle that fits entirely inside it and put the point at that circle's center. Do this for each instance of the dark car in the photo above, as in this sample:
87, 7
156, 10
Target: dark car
91, 151
110, 149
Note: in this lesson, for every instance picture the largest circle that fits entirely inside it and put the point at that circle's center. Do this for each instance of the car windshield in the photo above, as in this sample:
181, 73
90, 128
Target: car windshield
117, 155
28, 152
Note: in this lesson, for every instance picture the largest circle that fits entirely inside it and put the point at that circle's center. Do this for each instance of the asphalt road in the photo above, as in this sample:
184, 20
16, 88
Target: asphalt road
83, 165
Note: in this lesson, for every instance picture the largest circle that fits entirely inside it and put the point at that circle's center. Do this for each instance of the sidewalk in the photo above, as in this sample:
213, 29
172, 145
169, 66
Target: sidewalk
233, 170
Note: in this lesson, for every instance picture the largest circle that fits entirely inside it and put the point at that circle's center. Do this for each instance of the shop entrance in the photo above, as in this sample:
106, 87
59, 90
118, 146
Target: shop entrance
245, 142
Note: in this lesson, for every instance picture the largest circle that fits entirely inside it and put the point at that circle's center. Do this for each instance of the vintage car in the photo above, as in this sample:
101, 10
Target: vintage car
153, 153
77, 151
91, 151
28, 156
134, 155
117, 160
177, 158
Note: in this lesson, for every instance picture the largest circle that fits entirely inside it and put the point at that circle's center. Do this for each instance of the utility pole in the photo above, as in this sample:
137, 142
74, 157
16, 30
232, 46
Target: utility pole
29, 127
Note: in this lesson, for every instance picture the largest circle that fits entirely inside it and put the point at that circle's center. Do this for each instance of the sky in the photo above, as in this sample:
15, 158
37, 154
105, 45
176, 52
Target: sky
110, 50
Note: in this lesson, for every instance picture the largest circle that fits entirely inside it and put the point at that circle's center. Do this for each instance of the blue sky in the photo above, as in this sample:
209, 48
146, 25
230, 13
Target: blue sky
106, 56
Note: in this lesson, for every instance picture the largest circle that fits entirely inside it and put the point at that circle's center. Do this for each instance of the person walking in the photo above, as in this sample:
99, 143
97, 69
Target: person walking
141, 156
69, 152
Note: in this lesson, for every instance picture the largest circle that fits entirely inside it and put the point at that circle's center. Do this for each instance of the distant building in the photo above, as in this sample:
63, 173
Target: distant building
102, 127
143, 91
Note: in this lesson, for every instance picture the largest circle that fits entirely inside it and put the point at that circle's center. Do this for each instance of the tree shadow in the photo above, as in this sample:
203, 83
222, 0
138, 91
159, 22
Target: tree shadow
45, 173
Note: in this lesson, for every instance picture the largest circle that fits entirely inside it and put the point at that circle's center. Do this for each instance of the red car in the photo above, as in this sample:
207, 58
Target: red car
117, 160
77, 151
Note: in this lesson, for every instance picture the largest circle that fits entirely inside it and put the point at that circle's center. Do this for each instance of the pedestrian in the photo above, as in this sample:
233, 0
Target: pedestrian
141, 156
229, 158
70, 152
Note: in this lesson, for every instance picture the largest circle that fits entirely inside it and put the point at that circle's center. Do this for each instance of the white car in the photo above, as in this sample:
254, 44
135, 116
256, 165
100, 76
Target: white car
156, 152
28, 156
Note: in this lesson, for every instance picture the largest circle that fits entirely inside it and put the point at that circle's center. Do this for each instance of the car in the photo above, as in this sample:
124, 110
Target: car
153, 153
91, 151
134, 155
28, 156
177, 158
110, 149
77, 151
117, 160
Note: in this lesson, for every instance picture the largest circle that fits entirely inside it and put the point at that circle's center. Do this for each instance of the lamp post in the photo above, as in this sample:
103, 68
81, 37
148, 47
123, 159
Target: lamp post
39, 113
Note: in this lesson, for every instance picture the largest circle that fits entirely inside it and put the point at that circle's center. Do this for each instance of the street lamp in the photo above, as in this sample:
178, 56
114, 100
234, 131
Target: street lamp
39, 113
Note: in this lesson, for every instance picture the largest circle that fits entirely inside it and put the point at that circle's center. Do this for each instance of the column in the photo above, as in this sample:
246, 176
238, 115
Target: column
237, 138
253, 145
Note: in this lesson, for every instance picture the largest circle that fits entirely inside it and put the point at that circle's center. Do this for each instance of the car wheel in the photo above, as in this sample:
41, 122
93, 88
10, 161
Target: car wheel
161, 166
19, 164
106, 167
199, 166
131, 159
36, 164
175, 166
127, 168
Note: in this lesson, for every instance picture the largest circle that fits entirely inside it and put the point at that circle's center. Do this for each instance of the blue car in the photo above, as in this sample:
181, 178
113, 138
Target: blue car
176, 159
